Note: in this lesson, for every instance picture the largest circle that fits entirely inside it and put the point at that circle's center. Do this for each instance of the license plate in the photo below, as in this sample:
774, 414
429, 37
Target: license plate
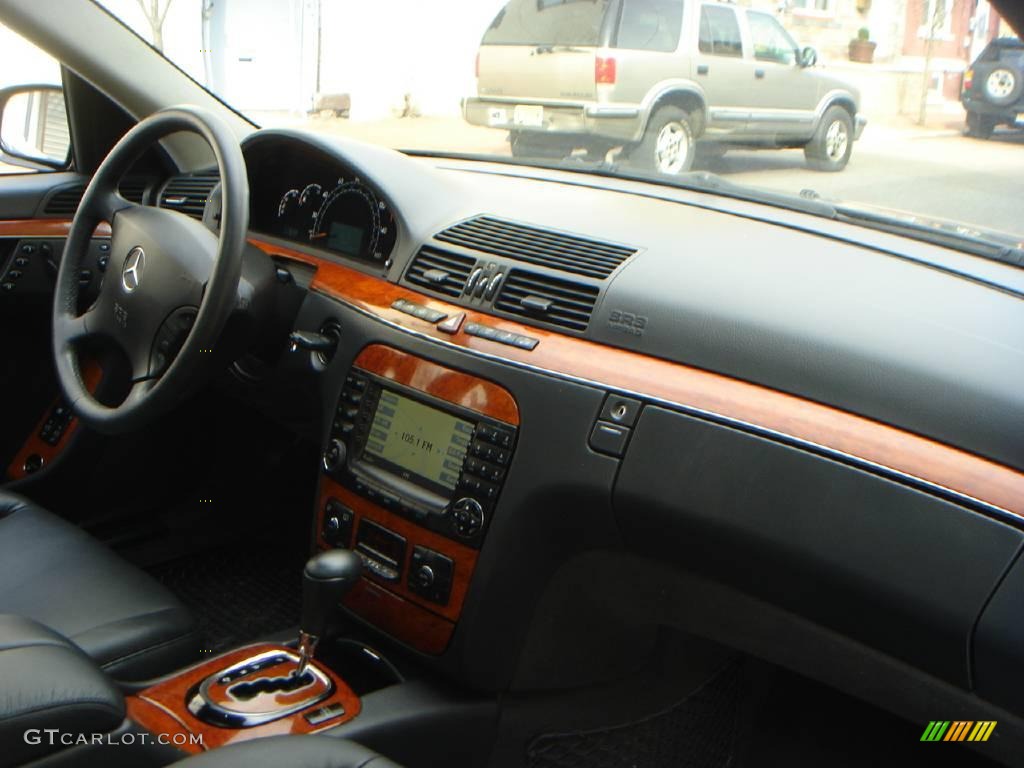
497, 116
528, 115
1020, 118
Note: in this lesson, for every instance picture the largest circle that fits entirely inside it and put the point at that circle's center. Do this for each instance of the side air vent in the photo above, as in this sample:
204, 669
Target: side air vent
440, 271
188, 193
67, 200
567, 253
564, 303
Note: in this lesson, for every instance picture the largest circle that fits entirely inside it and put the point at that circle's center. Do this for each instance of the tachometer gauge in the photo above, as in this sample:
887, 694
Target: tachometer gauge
310, 195
287, 201
353, 221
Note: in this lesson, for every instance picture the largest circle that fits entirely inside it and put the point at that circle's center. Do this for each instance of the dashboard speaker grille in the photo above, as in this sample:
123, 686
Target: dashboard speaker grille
567, 253
440, 271
565, 303
188, 193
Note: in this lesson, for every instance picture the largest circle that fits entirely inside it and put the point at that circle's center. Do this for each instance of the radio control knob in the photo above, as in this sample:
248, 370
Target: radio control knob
468, 516
334, 455
425, 577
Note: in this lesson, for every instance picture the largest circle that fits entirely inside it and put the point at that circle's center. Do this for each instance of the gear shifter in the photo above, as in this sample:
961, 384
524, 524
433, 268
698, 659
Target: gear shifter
326, 579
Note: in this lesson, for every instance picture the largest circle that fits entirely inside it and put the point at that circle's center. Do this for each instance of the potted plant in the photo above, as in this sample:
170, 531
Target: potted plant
862, 48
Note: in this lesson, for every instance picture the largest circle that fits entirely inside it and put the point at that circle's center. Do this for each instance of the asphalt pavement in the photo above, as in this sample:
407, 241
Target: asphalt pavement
941, 174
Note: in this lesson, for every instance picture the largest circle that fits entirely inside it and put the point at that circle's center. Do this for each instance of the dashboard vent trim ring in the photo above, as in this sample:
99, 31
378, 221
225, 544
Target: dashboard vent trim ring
441, 271
535, 245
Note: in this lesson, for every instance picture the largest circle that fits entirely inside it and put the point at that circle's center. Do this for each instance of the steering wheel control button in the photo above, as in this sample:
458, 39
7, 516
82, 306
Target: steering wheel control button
609, 438
452, 324
430, 575
621, 410
468, 517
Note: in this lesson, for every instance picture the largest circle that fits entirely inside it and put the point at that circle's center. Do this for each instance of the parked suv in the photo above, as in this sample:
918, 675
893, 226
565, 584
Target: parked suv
655, 76
993, 92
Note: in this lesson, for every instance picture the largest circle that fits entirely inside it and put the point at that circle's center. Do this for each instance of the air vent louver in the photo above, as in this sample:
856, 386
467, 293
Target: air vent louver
567, 253
65, 201
565, 303
440, 271
188, 193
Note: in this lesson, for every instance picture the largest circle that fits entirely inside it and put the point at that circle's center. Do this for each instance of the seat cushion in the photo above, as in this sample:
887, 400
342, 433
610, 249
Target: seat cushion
291, 751
55, 573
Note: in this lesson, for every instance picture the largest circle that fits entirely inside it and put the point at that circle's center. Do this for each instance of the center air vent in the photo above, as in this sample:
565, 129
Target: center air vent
565, 303
567, 253
188, 193
440, 271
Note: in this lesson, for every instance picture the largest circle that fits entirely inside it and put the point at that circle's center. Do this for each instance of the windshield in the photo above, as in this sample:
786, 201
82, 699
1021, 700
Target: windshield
913, 107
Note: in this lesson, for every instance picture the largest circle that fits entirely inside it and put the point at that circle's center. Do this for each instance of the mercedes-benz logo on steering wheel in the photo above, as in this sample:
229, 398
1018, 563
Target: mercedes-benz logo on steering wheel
131, 273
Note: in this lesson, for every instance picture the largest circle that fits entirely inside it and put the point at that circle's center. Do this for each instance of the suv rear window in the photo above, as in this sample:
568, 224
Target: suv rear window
548, 22
720, 32
650, 25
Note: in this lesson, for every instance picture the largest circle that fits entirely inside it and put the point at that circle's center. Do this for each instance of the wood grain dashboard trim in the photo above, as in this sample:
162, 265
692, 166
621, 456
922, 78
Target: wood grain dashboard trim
44, 228
161, 708
35, 445
446, 384
918, 459
406, 615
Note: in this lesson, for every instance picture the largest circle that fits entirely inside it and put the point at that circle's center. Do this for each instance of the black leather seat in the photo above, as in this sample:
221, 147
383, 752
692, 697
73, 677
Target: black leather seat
58, 575
290, 751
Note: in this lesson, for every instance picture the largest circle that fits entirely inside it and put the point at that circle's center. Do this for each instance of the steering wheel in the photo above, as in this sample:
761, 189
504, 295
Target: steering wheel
170, 283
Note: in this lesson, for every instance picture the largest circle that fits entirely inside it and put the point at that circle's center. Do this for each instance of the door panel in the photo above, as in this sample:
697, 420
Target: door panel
782, 95
720, 68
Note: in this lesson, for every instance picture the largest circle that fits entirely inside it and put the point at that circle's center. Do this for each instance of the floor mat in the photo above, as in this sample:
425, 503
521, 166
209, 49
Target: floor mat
699, 732
238, 596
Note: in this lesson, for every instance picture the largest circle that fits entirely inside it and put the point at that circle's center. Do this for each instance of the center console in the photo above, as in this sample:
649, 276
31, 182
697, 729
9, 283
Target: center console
411, 478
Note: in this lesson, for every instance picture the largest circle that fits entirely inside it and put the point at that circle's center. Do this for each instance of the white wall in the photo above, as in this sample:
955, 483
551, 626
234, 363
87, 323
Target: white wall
22, 63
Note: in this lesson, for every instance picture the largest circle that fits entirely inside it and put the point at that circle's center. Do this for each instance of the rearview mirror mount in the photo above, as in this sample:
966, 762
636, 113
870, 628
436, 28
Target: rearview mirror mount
34, 127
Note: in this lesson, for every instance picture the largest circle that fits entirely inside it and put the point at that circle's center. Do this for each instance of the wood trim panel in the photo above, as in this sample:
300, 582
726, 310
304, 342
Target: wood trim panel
162, 707
44, 228
859, 437
443, 383
91, 375
418, 622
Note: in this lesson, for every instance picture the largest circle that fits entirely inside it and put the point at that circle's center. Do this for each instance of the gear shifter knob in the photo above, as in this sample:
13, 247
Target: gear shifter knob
327, 577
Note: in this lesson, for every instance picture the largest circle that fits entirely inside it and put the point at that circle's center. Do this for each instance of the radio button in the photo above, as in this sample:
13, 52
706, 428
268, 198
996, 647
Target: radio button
468, 516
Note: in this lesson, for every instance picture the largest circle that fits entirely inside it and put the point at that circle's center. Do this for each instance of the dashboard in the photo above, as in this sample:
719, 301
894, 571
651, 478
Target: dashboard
778, 432
309, 198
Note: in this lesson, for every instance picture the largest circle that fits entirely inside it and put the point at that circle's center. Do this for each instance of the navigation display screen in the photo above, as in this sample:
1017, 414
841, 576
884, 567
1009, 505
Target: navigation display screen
417, 441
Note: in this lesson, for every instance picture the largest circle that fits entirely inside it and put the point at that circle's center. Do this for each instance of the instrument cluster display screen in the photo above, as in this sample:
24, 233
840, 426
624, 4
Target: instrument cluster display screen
419, 443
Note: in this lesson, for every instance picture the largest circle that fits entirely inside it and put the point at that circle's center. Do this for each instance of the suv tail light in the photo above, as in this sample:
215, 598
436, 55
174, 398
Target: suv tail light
604, 70
968, 79
476, 66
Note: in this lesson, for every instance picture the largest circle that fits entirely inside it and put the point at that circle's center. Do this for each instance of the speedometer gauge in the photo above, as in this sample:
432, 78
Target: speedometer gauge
353, 221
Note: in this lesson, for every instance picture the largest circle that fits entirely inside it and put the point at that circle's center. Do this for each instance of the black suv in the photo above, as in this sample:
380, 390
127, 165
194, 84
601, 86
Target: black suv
993, 92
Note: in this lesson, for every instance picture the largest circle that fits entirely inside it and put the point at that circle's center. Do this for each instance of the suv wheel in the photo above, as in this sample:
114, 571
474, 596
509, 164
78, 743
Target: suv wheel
980, 126
668, 146
1002, 86
832, 144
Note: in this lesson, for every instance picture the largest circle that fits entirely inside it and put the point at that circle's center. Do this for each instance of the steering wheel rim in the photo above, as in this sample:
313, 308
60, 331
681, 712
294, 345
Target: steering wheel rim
176, 251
